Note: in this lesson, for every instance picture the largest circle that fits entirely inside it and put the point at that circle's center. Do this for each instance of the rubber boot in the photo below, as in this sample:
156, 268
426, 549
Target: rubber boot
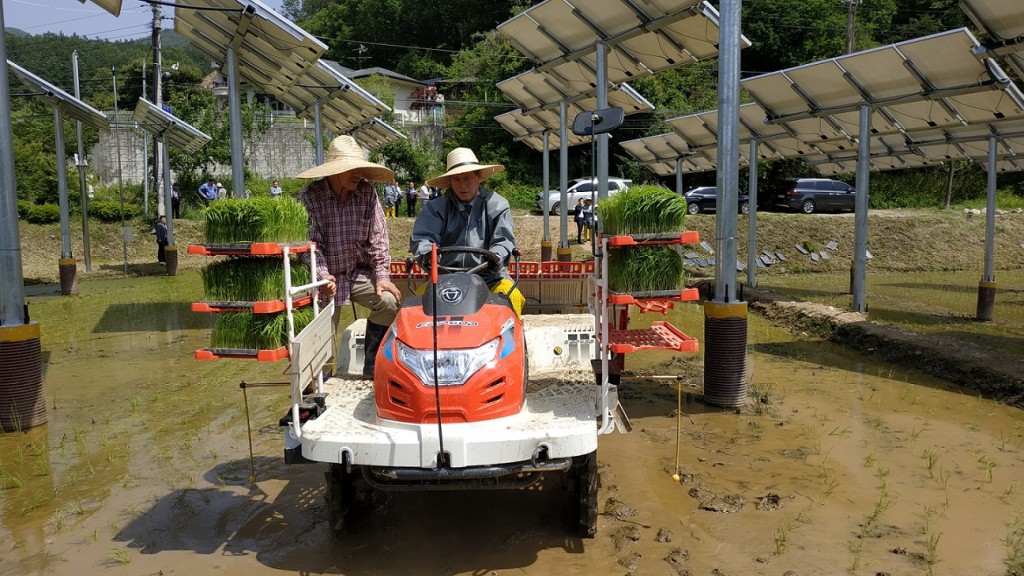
371, 343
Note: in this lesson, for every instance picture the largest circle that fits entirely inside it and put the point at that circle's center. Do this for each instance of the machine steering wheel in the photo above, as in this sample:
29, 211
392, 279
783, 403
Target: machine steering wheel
491, 261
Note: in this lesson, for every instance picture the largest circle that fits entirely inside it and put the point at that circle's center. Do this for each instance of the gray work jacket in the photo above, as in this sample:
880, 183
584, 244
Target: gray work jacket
487, 225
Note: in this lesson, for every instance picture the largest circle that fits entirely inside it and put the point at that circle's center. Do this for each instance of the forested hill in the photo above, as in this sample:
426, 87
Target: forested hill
50, 56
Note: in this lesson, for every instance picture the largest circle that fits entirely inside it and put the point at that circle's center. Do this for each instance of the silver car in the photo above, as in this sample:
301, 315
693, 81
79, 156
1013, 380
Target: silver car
578, 188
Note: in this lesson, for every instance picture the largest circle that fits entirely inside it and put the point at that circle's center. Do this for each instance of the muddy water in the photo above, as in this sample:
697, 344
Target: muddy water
838, 465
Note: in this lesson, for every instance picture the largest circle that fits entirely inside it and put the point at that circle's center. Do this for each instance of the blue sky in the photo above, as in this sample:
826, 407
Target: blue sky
74, 17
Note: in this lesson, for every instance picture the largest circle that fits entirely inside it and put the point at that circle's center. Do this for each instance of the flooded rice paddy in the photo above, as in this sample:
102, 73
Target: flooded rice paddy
838, 465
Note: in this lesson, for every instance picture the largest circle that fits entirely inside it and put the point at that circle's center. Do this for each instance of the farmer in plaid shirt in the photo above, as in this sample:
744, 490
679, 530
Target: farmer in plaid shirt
352, 248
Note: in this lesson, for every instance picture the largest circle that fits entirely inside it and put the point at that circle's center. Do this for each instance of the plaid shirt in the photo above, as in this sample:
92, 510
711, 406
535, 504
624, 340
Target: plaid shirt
351, 236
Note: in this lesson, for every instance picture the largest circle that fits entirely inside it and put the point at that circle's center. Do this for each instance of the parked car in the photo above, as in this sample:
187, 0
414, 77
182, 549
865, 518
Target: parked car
705, 199
810, 195
578, 188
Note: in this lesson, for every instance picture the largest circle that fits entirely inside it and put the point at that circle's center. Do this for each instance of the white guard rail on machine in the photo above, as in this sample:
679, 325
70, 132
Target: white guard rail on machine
307, 350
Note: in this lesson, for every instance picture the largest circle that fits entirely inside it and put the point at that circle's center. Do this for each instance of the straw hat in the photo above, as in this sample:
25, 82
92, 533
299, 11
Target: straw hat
345, 155
460, 161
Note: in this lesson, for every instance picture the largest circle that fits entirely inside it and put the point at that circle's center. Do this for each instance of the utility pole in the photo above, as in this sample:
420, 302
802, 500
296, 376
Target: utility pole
145, 152
157, 10
851, 13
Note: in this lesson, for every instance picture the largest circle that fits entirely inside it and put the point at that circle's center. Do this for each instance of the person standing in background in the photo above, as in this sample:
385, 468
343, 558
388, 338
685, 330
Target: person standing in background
410, 199
161, 238
175, 201
208, 191
423, 196
275, 189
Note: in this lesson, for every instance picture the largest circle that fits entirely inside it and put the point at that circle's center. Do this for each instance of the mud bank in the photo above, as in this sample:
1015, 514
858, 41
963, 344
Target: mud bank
995, 374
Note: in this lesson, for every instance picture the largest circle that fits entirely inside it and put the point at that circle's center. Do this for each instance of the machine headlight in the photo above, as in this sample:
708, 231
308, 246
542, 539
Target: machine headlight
454, 367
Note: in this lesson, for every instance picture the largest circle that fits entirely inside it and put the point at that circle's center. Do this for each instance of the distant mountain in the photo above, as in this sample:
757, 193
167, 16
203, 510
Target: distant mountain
17, 32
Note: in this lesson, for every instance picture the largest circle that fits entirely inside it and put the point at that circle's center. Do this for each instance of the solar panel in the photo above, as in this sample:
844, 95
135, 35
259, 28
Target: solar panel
343, 103
529, 126
376, 133
1003, 22
642, 37
112, 6
272, 52
533, 90
930, 82
161, 123
68, 104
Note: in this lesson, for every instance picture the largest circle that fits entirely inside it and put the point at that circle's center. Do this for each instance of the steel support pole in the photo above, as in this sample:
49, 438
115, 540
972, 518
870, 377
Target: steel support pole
602, 103
12, 282
167, 187
752, 217
679, 176
725, 318
546, 163
318, 134
235, 116
163, 207
728, 151
563, 174
987, 286
86, 251
860, 233
62, 185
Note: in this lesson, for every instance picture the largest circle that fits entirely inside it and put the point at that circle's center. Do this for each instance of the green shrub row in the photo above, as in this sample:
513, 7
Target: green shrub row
103, 210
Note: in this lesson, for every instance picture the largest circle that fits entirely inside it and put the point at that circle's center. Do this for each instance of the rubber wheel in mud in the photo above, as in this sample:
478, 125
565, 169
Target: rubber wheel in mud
340, 496
581, 483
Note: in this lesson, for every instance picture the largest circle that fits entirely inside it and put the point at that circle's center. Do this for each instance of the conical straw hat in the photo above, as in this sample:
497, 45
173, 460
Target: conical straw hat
345, 155
460, 161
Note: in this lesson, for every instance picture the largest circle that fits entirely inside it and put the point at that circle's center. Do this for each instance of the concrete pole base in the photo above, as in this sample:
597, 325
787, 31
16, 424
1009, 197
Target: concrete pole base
725, 354
68, 276
171, 258
986, 301
22, 403
545, 251
565, 254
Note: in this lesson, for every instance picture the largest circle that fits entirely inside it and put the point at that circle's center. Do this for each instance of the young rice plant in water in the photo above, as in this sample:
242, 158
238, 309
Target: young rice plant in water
642, 210
248, 279
255, 220
248, 331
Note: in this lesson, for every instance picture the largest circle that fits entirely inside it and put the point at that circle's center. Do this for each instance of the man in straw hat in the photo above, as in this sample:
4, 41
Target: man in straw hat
352, 247
468, 214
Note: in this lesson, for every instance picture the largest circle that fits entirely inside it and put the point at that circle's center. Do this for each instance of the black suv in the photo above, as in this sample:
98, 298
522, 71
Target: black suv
705, 199
811, 195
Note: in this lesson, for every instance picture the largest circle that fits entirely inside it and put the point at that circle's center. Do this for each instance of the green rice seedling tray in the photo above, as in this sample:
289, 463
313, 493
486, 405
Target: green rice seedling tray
687, 237
262, 307
259, 355
248, 249
660, 336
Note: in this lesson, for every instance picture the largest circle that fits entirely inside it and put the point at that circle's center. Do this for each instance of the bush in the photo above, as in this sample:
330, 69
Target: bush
23, 208
43, 214
111, 211
519, 196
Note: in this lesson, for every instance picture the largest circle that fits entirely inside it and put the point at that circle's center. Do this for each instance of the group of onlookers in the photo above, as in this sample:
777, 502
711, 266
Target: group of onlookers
393, 196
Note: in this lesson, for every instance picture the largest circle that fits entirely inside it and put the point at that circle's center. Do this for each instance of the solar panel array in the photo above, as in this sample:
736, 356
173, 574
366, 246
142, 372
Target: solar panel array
66, 103
159, 122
